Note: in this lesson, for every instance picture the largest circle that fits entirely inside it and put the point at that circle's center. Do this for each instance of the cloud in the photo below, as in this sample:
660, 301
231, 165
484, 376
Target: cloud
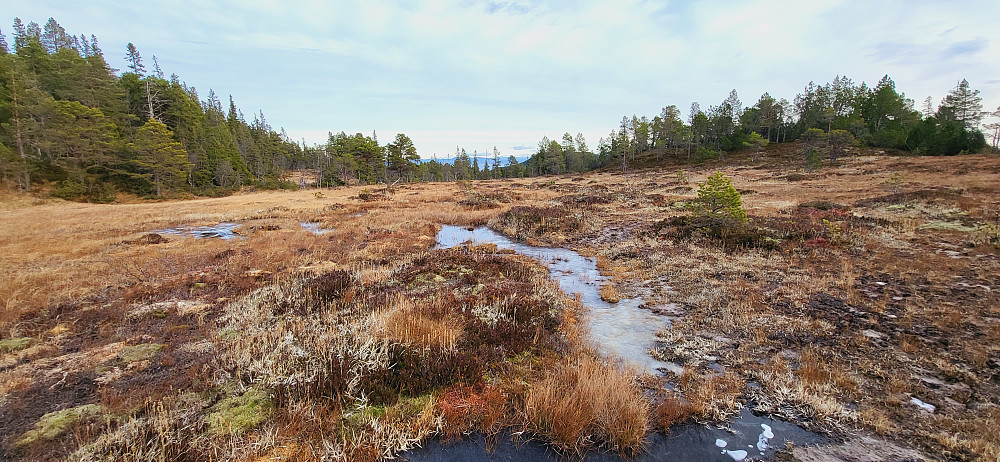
966, 47
513, 71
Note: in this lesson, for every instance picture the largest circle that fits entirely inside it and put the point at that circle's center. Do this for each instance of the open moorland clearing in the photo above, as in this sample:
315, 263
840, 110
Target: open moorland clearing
860, 302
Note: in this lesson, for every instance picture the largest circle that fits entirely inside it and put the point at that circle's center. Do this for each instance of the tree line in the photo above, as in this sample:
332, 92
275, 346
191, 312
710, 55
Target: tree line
825, 118
68, 119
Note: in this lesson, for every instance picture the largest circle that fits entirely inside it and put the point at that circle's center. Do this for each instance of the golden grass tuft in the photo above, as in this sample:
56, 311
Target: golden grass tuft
609, 293
713, 396
407, 324
584, 402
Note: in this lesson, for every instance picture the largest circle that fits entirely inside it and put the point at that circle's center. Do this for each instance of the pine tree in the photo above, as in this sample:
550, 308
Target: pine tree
496, 162
927, 110
54, 37
718, 199
3, 44
963, 104
402, 156
159, 157
33, 32
95, 50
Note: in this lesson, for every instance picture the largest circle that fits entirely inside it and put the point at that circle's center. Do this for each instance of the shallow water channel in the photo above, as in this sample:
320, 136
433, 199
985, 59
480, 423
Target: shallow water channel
626, 331
620, 329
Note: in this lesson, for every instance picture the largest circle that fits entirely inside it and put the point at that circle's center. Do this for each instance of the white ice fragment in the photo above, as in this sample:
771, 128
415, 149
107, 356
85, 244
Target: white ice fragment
737, 455
880, 283
765, 435
925, 406
721, 443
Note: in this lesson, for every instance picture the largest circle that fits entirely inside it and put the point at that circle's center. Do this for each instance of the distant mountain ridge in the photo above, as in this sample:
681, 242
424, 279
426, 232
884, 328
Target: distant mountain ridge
483, 161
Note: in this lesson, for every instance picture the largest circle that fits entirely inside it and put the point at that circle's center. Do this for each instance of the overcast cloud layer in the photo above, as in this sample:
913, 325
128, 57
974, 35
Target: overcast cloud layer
480, 74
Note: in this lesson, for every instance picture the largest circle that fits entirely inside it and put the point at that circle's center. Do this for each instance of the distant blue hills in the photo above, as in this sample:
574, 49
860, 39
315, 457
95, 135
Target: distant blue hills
484, 162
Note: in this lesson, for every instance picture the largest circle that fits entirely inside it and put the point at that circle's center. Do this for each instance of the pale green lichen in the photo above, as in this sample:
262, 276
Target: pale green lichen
237, 414
56, 423
9, 345
948, 226
140, 352
131, 354
408, 407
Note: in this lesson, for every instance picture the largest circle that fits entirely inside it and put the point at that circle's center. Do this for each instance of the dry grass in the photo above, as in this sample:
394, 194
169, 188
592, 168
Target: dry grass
88, 277
609, 293
409, 325
368, 343
585, 402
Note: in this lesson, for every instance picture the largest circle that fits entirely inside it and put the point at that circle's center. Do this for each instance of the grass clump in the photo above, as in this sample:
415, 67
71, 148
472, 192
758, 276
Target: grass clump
586, 402
9, 345
485, 200
609, 293
823, 205
53, 424
237, 414
465, 409
131, 354
526, 221
724, 233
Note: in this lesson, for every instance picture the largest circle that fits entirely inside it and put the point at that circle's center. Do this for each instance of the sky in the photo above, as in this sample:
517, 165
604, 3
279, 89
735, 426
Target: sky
484, 74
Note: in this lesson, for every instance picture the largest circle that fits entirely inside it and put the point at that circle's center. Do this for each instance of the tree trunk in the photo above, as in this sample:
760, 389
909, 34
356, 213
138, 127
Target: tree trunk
18, 130
149, 103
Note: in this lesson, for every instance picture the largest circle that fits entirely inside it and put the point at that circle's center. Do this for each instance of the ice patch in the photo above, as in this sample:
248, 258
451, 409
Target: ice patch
720, 443
737, 455
765, 435
314, 228
925, 406
224, 231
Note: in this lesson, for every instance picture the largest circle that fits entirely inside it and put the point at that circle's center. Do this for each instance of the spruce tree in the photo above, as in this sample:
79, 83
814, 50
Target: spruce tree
134, 60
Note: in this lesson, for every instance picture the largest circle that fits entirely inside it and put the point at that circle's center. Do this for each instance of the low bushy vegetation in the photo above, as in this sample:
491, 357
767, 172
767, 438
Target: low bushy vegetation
364, 341
524, 222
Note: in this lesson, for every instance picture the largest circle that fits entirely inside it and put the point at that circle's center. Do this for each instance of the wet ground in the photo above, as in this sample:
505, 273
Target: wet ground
622, 329
315, 228
626, 331
746, 438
